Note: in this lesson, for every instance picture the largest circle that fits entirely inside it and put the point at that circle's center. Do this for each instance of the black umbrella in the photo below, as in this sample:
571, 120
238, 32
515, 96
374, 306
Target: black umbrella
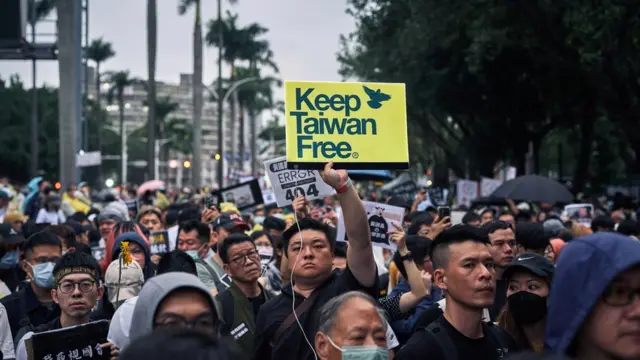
534, 188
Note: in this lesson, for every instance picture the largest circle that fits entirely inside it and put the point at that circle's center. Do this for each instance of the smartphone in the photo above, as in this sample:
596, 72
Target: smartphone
443, 212
209, 201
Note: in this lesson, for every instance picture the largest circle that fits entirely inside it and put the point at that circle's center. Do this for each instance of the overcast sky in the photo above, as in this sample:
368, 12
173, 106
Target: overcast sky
303, 35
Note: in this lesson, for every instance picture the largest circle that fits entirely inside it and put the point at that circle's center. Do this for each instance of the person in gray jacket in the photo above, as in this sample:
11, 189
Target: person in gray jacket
174, 300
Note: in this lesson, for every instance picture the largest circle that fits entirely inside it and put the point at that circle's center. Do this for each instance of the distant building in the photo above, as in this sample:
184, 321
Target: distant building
136, 117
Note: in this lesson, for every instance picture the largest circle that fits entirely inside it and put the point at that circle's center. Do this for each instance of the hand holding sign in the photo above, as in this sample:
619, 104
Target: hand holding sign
300, 207
112, 349
334, 178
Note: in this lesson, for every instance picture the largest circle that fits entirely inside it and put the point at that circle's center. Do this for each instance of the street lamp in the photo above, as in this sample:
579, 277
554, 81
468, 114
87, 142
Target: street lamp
215, 96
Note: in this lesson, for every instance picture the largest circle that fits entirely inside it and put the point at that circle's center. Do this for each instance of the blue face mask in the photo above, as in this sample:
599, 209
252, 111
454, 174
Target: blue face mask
9, 260
368, 352
43, 275
193, 254
258, 219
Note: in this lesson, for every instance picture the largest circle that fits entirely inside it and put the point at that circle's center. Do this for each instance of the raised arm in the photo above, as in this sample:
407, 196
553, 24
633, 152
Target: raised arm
360, 252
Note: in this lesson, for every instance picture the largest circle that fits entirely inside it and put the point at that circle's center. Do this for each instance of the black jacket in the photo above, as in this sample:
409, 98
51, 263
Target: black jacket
24, 310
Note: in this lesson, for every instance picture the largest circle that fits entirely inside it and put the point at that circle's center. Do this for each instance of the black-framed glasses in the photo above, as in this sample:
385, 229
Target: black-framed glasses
241, 259
618, 295
67, 287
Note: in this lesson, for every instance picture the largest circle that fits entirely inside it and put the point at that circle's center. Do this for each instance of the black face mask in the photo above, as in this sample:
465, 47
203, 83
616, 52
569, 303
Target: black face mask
527, 308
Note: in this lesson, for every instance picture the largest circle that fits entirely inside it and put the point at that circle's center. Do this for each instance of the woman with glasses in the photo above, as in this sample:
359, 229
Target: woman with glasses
77, 290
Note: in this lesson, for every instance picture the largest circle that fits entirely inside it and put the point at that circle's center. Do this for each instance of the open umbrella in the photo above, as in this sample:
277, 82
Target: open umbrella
534, 188
151, 185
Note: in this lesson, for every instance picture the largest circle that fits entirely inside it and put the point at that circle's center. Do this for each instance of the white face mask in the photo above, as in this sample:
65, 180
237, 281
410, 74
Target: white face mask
279, 216
265, 251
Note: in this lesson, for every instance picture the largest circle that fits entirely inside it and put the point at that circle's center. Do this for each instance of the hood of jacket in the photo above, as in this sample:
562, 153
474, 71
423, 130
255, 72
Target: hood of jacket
148, 269
154, 292
585, 267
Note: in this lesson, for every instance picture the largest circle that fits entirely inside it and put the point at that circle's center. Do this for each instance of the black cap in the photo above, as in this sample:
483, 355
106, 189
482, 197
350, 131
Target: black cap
9, 235
537, 264
230, 221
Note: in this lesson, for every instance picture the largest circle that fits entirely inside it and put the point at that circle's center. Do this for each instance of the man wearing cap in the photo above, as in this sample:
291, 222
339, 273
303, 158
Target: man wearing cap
123, 282
77, 290
228, 223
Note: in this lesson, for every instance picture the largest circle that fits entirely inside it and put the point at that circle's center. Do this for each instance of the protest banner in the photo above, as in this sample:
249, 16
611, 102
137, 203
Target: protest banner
244, 195
582, 213
356, 125
73, 343
288, 184
159, 242
380, 218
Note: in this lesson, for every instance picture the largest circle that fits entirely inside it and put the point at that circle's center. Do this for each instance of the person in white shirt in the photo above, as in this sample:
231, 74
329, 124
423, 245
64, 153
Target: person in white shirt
6, 343
51, 212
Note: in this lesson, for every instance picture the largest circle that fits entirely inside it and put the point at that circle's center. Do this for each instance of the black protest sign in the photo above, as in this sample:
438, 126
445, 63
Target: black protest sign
159, 242
380, 219
243, 195
72, 343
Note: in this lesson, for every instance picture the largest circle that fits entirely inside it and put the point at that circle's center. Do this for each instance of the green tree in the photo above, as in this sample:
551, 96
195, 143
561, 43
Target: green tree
487, 79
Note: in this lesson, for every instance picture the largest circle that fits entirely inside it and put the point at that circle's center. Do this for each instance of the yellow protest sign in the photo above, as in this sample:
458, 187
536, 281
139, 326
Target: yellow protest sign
357, 125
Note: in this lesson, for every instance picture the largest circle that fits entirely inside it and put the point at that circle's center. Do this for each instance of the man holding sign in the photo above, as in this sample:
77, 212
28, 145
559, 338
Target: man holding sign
309, 248
77, 290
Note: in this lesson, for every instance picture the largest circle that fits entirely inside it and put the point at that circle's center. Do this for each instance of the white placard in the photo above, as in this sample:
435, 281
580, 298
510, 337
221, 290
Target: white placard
582, 213
380, 218
467, 191
288, 184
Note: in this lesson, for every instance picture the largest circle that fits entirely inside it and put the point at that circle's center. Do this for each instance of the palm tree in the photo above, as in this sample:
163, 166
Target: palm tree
152, 45
183, 6
99, 51
119, 81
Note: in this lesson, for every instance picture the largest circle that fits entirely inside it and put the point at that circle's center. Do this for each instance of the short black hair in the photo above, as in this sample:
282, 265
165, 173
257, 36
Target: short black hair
628, 227
64, 232
78, 216
232, 239
30, 227
308, 224
38, 239
470, 217
258, 234
177, 261
80, 247
419, 247
171, 343
603, 222
495, 225
532, 236
455, 235
418, 220
189, 213
203, 229
74, 259
274, 223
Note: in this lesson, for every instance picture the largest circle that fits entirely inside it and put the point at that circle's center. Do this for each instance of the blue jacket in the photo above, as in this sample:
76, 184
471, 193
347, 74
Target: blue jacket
403, 328
585, 268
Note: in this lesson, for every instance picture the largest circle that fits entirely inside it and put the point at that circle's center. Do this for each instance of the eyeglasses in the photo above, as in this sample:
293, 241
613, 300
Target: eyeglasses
241, 259
67, 287
617, 295
205, 322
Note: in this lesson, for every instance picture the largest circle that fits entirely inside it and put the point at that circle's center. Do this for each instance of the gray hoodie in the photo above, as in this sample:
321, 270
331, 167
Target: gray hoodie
154, 291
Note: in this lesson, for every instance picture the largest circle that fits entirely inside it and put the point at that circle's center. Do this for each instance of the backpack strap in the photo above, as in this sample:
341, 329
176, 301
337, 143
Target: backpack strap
300, 309
497, 337
441, 336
